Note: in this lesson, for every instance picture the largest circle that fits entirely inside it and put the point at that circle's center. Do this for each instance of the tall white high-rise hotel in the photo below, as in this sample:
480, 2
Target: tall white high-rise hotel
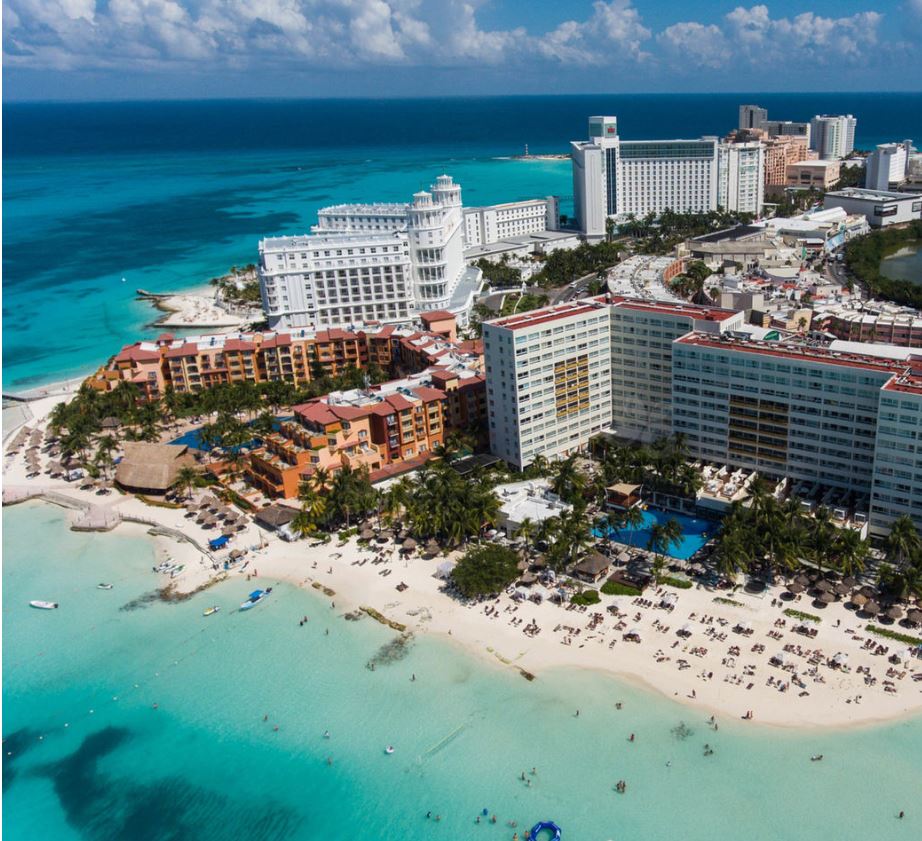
614, 178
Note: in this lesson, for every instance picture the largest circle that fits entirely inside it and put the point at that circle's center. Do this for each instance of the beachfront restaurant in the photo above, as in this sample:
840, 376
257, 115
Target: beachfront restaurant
151, 469
593, 567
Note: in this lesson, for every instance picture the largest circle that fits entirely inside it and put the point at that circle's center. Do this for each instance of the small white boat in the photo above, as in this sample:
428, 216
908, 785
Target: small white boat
255, 598
103, 586
43, 605
389, 749
209, 610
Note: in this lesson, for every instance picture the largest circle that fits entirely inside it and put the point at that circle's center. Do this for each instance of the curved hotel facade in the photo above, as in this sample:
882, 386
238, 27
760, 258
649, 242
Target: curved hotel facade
365, 263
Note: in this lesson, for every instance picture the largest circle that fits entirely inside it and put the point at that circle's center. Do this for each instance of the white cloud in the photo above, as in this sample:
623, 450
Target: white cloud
696, 44
808, 35
331, 34
612, 34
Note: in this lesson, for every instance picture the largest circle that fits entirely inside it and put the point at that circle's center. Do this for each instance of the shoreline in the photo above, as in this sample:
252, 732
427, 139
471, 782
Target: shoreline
715, 670
497, 651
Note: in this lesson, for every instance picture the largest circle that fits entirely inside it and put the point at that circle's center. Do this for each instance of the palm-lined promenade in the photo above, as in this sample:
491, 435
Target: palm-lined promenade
771, 618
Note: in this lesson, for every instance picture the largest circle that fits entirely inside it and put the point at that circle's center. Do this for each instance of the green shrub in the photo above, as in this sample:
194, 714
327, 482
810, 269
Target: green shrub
486, 569
680, 583
799, 614
614, 588
725, 600
587, 597
893, 635
157, 503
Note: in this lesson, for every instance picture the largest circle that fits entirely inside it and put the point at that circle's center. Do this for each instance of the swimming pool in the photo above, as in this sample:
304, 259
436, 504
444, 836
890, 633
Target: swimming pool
695, 532
193, 438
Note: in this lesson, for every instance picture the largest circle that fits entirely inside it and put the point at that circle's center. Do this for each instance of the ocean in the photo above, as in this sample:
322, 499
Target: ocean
169, 194
126, 718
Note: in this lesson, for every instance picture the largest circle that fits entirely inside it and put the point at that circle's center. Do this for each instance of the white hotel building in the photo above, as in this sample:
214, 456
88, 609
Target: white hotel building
371, 262
548, 380
614, 178
486, 225
846, 416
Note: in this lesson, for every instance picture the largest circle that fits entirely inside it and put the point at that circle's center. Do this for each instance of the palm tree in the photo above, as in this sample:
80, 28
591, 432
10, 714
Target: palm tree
732, 554
303, 523
525, 532
320, 478
903, 541
849, 551
633, 519
568, 482
186, 477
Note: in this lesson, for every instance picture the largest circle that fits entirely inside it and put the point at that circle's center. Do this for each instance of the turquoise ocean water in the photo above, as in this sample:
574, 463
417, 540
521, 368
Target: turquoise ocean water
205, 765
170, 194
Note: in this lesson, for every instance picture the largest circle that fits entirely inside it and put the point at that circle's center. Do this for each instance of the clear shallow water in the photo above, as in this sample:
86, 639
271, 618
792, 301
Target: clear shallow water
906, 264
168, 195
695, 532
204, 765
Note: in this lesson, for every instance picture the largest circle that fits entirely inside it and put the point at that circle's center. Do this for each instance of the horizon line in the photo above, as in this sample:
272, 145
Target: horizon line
437, 97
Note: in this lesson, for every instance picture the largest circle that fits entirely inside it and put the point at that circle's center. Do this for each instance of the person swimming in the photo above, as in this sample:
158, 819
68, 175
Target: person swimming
326, 734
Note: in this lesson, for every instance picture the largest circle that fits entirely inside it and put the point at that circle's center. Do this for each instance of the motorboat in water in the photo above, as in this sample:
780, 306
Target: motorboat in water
816, 757
103, 586
209, 610
389, 749
255, 598
43, 605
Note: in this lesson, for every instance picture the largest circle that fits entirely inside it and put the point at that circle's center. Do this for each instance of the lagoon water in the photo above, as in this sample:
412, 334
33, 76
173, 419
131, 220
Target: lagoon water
167, 195
905, 264
204, 765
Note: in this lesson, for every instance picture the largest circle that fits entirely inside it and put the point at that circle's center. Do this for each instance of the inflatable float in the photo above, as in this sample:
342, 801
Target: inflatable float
541, 826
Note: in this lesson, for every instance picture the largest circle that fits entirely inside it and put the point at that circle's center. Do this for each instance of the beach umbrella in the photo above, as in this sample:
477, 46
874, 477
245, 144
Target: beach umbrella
841, 659
779, 657
870, 592
825, 598
872, 608
841, 589
366, 533
802, 579
521, 566
634, 632
686, 629
227, 532
824, 586
859, 599
408, 545
796, 588
850, 581
915, 616
895, 612
403, 535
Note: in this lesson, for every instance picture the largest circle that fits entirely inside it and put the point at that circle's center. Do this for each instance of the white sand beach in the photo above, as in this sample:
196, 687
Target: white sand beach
198, 310
714, 668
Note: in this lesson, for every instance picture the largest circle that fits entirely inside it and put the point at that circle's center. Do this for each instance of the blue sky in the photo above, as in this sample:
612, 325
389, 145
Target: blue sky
101, 49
